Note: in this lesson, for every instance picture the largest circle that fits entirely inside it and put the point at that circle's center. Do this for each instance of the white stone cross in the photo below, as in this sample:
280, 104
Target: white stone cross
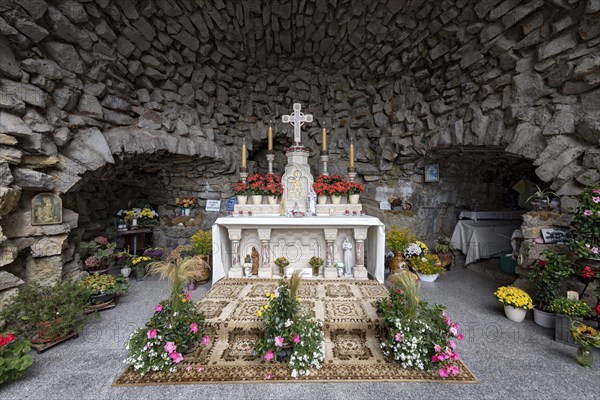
297, 119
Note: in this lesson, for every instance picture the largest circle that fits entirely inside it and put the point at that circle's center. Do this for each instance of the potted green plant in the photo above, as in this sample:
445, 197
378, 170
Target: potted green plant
101, 255
46, 314
104, 288
546, 278
14, 357
516, 302
566, 310
427, 266
397, 240
315, 263
443, 249
586, 227
202, 246
281, 262
541, 199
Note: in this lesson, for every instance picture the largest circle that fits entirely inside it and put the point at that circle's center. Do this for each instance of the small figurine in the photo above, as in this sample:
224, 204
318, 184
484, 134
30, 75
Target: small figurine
347, 247
247, 266
254, 261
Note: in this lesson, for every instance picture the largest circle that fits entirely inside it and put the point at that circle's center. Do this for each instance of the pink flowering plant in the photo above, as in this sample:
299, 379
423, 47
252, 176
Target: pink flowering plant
586, 224
419, 335
288, 334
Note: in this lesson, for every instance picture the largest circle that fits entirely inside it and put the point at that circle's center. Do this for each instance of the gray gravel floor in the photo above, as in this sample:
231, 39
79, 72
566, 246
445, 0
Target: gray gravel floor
511, 360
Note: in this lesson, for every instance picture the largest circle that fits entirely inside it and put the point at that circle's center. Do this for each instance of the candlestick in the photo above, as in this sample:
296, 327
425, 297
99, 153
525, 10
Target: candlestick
244, 153
351, 164
324, 139
270, 135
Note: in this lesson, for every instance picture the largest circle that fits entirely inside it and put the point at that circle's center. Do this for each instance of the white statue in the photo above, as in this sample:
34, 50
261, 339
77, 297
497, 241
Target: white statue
312, 202
347, 247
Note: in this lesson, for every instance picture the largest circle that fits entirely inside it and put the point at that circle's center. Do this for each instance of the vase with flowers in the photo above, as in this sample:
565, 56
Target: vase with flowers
288, 334
186, 204
587, 338
354, 191
273, 188
516, 302
427, 266
397, 240
315, 263
281, 262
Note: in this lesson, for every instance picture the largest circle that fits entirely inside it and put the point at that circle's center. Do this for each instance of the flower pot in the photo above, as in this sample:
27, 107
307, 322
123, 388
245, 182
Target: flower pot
427, 278
186, 212
139, 274
242, 199
321, 200
272, 200
336, 199
353, 198
562, 330
515, 314
126, 271
398, 263
315, 271
257, 198
585, 356
101, 298
543, 318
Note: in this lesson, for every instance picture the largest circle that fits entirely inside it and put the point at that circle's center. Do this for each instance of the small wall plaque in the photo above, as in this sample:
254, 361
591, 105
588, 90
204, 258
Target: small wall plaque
46, 209
213, 205
556, 235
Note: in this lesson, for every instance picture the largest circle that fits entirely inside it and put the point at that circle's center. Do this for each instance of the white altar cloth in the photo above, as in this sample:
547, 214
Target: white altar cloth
482, 239
374, 244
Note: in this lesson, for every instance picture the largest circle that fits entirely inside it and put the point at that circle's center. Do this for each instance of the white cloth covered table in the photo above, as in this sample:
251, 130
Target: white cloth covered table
279, 227
481, 239
500, 214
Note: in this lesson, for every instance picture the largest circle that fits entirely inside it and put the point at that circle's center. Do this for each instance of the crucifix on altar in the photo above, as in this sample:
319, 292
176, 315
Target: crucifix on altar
297, 119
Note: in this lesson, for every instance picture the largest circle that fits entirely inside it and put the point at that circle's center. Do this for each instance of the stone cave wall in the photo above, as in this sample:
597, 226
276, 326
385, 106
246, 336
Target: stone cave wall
86, 84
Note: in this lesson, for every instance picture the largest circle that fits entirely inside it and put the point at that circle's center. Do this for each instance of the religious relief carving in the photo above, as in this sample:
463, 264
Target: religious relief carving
297, 186
46, 209
255, 260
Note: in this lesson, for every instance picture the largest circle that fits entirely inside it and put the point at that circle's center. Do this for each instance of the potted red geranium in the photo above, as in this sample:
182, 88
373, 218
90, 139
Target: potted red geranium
256, 182
241, 190
354, 191
272, 188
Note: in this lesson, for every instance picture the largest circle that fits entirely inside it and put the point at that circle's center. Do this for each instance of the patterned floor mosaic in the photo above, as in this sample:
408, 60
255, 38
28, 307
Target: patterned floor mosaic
351, 325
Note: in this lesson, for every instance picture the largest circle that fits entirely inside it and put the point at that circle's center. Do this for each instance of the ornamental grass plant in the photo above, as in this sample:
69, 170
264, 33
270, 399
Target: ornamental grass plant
419, 335
514, 297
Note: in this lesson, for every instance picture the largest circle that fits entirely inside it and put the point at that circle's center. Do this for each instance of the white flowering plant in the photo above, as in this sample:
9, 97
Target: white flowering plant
289, 335
413, 250
163, 342
418, 335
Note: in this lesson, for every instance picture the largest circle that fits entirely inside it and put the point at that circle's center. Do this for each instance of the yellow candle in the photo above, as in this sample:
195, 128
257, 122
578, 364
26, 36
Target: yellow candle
351, 155
244, 154
324, 140
270, 139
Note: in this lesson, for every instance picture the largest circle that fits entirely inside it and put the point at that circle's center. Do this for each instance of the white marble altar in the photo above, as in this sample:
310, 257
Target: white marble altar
298, 239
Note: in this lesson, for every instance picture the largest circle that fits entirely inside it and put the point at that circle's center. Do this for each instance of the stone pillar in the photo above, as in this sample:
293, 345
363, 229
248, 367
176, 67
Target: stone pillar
330, 236
236, 270
360, 235
265, 270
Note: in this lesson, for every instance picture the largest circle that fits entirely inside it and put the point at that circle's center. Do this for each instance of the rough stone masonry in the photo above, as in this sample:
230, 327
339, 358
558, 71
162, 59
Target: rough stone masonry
86, 85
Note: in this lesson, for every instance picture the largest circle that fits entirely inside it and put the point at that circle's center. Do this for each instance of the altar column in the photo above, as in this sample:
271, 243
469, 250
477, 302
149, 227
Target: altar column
235, 235
360, 235
265, 270
330, 235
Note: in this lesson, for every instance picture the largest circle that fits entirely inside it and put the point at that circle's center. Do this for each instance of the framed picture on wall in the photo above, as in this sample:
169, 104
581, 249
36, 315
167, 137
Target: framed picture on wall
432, 173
